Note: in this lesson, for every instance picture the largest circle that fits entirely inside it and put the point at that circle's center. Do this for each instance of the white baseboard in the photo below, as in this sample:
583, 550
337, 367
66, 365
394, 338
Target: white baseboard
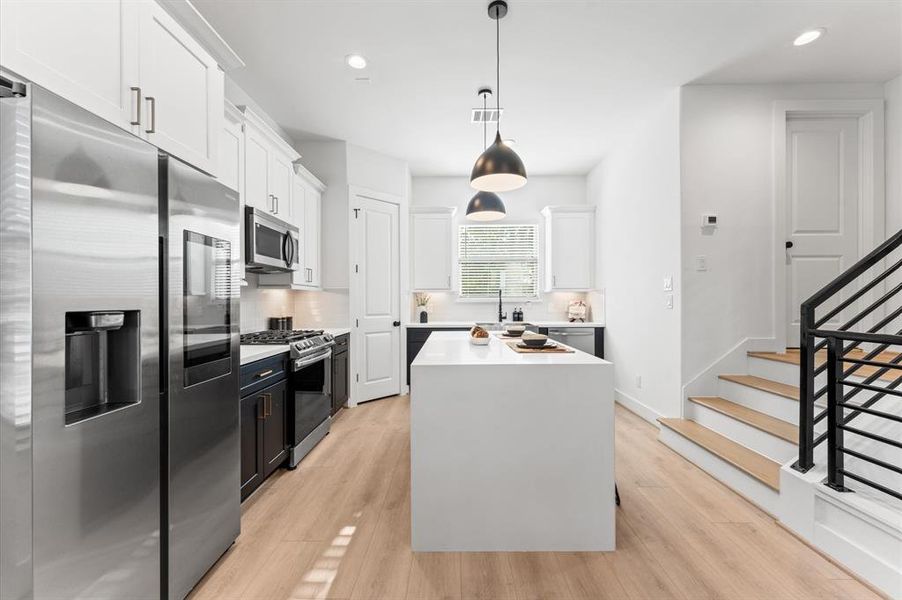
635, 406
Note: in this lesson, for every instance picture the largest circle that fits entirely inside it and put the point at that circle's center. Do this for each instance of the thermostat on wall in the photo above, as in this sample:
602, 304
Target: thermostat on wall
709, 220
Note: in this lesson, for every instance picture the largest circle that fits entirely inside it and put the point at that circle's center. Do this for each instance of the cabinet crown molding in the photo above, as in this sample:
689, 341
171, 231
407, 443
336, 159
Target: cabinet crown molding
575, 208
441, 210
263, 127
307, 176
201, 30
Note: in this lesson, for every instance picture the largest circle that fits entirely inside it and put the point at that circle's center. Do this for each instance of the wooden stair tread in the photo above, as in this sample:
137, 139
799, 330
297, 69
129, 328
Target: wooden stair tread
760, 467
759, 420
791, 356
766, 385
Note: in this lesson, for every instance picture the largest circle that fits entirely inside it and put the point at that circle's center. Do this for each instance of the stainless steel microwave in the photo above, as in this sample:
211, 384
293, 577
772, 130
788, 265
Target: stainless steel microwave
271, 244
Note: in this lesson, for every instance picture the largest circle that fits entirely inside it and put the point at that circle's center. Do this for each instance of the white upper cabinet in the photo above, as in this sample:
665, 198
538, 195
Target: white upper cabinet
182, 89
569, 248
128, 61
306, 214
83, 51
281, 176
231, 166
432, 248
313, 199
269, 169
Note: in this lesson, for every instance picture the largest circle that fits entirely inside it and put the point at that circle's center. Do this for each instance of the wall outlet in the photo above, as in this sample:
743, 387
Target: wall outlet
668, 283
668, 301
639, 382
701, 263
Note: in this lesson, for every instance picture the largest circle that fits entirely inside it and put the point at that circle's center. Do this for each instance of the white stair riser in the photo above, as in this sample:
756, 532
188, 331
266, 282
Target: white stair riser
766, 402
778, 371
771, 446
734, 478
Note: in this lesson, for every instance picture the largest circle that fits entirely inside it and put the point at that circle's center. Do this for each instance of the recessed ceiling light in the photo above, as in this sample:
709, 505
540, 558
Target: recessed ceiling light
809, 36
355, 61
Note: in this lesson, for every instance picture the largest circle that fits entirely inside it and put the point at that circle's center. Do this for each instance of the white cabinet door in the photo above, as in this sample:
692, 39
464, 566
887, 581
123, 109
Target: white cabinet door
256, 171
280, 179
182, 87
431, 247
570, 249
230, 170
312, 229
85, 51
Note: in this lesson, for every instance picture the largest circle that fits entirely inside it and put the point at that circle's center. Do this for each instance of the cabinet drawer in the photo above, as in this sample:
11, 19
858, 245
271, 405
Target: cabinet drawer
341, 343
262, 373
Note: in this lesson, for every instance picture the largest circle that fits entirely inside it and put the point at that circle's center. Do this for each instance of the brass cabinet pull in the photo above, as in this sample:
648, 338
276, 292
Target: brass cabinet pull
137, 120
265, 373
269, 405
261, 408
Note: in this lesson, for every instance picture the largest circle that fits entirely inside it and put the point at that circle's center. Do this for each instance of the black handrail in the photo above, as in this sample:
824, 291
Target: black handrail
813, 329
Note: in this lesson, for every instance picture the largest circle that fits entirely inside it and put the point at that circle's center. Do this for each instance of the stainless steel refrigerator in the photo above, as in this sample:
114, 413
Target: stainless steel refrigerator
119, 451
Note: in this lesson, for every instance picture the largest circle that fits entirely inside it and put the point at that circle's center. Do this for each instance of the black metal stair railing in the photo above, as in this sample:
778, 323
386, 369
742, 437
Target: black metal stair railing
882, 355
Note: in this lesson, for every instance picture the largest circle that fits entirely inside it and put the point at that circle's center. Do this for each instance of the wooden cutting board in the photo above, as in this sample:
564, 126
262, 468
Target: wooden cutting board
515, 346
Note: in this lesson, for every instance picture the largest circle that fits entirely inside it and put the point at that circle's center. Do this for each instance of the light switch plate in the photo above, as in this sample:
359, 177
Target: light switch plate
701, 263
668, 301
668, 284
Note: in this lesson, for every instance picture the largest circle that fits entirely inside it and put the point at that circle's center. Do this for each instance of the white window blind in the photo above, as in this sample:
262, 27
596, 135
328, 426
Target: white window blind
494, 257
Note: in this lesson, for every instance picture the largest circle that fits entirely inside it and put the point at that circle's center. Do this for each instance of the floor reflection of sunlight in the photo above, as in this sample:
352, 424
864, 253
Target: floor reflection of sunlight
318, 580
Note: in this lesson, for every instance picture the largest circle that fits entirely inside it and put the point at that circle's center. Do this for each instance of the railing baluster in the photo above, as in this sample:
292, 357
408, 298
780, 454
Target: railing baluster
807, 354
835, 456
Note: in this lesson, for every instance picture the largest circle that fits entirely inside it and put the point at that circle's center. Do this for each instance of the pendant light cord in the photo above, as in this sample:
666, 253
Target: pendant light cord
485, 127
498, 69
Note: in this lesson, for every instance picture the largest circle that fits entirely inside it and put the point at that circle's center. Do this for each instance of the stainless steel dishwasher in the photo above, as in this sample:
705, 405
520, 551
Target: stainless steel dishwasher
581, 338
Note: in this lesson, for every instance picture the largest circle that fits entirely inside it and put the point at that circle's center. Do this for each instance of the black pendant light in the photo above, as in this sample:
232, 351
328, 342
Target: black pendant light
498, 169
485, 206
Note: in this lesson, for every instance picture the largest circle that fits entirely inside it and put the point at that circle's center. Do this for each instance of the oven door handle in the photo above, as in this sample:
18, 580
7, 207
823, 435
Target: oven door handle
300, 363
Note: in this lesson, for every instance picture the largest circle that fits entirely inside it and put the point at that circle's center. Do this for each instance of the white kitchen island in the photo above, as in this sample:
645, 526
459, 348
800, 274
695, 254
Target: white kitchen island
509, 451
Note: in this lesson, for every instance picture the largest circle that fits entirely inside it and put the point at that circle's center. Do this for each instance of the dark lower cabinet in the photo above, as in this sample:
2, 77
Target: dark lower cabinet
275, 430
263, 413
340, 376
251, 416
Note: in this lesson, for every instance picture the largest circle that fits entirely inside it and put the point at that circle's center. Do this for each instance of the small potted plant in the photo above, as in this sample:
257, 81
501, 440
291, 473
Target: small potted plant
422, 302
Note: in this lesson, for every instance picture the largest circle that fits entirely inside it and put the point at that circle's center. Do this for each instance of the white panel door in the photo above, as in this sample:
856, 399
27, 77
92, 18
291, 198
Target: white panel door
571, 251
85, 51
183, 90
375, 290
431, 251
822, 194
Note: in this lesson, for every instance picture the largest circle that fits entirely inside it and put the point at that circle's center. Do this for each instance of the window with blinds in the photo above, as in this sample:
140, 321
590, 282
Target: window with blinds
494, 257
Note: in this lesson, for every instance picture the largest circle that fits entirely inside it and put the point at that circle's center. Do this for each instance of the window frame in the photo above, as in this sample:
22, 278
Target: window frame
459, 297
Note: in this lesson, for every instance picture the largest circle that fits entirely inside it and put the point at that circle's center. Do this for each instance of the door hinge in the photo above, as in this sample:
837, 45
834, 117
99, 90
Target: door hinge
356, 211
358, 377
356, 322
357, 268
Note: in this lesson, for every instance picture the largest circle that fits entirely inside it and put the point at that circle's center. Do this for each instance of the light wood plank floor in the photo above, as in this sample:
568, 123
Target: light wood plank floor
339, 527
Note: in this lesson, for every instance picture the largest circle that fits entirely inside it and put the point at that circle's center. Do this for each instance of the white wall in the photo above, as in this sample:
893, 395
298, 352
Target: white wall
523, 206
726, 167
892, 93
637, 191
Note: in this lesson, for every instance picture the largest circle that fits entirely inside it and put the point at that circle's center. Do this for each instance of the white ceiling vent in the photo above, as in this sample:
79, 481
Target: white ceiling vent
486, 115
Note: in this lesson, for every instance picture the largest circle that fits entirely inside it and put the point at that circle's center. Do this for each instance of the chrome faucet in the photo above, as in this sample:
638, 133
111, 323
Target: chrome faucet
501, 315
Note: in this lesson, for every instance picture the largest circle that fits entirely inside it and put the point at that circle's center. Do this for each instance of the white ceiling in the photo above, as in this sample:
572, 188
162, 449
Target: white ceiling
575, 75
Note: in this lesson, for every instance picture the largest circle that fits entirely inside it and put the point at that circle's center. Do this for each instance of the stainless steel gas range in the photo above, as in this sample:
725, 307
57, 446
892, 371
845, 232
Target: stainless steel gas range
309, 386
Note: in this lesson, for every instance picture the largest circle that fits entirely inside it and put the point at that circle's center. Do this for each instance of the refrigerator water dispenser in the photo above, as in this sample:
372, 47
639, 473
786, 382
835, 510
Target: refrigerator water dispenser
103, 362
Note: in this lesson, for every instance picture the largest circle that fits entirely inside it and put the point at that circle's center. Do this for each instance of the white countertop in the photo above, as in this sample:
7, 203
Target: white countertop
468, 324
255, 352
452, 348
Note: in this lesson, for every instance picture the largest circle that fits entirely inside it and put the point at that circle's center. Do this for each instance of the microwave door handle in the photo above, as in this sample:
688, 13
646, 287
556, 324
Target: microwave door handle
285, 249
290, 249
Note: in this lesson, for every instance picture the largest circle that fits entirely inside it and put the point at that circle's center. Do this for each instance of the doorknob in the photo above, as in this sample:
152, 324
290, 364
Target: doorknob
396, 323
788, 245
